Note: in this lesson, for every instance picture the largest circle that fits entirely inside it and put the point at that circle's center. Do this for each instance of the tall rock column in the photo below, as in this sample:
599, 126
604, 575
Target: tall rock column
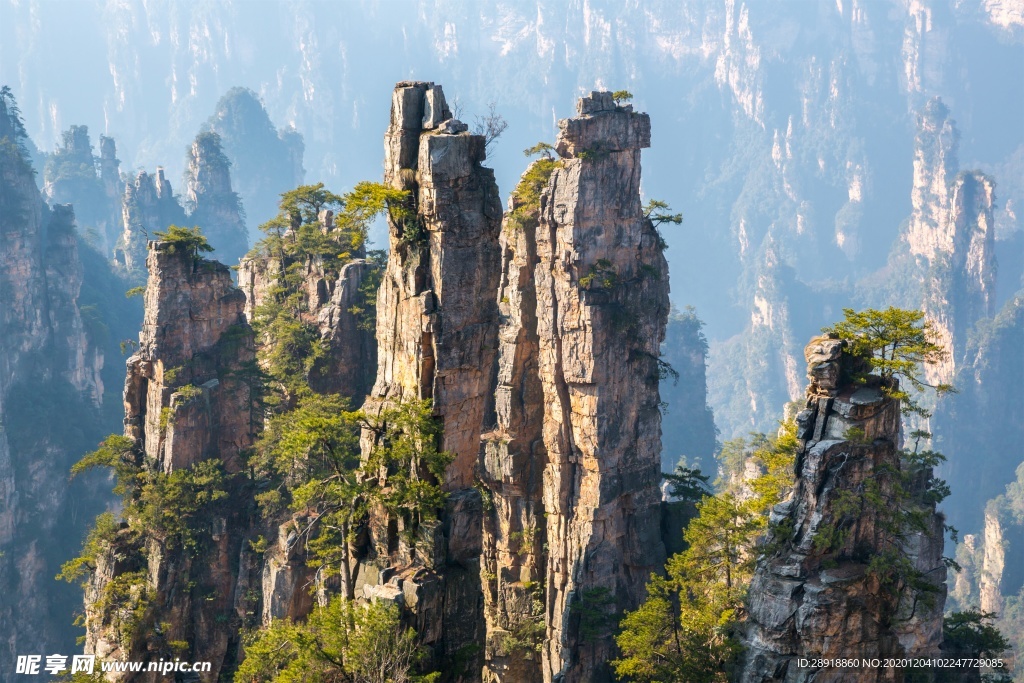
436, 336
602, 306
148, 205
212, 203
815, 597
951, 234
186, 402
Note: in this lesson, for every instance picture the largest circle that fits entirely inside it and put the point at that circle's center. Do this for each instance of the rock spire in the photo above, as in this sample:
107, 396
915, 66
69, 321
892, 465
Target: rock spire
816, 597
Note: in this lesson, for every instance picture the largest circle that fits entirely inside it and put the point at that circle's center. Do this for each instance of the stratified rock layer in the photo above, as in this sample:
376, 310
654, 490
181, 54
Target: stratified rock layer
602, 304
808, 601
436, 336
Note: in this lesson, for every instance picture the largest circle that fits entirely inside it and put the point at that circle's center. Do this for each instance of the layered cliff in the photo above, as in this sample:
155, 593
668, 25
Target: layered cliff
49, 391
847, 577
173, 565
210, 201
602, 304
436, 339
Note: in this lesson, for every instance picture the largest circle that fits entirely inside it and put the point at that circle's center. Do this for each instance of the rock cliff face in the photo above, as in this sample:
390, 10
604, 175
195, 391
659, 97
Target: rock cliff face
186, 402
951, 233
149, 205
194, 334
815, 597
437, 337
46, 360
602, 304
210, 201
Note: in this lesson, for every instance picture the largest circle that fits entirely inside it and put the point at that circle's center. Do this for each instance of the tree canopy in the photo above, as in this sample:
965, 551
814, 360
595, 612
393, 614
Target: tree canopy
897, 343
189, 241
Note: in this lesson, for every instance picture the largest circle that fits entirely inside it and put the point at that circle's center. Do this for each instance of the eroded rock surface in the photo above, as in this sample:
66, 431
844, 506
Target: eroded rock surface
513, 457
815, 598
186, 401
602, 303
436, 339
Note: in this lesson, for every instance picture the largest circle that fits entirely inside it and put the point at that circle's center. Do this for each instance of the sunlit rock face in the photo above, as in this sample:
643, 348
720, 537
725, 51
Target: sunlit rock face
951, 235
437, 326
602, 304
186, 401
810, 599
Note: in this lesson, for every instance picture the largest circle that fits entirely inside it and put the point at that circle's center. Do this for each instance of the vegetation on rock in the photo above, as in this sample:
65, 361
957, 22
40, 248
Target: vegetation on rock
682, 630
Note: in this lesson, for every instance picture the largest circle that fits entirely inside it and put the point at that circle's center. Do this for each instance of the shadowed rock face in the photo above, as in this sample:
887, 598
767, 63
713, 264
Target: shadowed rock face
212, 204
809, 601
602, 305
44, 347
512, 461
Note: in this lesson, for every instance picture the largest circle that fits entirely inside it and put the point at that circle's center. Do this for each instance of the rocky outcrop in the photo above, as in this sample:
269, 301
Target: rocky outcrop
49, 387
815, 597
210, 201
437, 336
334, 299
187, 401
194, 335
602, 304
148, 206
